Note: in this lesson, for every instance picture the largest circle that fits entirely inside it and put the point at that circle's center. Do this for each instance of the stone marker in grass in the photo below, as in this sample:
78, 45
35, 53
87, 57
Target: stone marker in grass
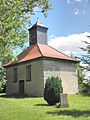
63, 100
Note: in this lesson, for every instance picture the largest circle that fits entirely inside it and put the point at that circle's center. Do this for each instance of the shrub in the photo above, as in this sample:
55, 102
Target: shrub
86, 89
52, 90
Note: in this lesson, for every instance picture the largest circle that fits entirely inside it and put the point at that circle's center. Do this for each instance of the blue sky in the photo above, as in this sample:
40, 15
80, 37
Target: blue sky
67, 17
68, 23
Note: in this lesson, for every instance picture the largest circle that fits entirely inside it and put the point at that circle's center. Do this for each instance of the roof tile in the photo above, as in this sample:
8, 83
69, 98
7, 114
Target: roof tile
39, 50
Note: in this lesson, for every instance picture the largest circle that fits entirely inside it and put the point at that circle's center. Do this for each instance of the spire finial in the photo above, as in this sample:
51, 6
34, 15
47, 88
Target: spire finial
38, 20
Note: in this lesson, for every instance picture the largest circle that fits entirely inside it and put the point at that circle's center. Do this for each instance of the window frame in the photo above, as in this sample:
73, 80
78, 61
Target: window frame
15, 74
28, 73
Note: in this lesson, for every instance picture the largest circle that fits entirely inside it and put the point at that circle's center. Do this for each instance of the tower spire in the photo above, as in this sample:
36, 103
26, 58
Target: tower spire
38, 21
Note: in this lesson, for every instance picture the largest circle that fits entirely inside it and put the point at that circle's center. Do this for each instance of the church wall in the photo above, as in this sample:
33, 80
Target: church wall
40, 71
35, 86
51, 68
66, 70
69, 77
31, 88
11, 86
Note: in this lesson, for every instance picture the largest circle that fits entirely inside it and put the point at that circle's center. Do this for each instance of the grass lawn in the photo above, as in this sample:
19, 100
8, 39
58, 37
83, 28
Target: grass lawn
37, 109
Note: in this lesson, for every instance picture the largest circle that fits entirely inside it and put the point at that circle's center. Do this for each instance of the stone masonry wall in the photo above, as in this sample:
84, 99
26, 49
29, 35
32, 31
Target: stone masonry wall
31, 88
65, 70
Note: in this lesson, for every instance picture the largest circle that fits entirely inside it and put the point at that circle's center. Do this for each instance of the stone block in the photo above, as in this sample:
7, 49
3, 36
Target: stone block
64, 100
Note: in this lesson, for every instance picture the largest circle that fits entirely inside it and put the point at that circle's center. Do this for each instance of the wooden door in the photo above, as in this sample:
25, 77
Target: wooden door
21, 87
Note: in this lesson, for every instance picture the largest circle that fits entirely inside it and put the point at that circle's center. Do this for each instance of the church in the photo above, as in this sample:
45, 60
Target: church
35, 64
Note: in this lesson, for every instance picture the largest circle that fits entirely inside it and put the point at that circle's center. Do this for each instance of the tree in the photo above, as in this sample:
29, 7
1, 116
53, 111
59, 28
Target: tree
80, 75
14, 15
86, 69
2, 79
86, 58
52, 90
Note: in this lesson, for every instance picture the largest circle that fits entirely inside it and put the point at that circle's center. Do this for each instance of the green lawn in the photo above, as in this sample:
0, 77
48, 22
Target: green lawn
37, 109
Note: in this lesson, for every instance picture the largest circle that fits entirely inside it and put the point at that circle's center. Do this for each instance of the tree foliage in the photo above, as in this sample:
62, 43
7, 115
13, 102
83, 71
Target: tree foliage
85, 81
14, 15
53, 88
86, 58
80, 75
2, 79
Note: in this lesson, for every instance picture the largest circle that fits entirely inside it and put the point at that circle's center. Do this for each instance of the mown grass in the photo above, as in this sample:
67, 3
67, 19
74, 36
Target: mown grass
37, 109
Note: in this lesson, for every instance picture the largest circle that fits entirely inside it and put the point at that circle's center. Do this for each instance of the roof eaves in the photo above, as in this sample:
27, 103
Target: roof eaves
60, 59
73, 59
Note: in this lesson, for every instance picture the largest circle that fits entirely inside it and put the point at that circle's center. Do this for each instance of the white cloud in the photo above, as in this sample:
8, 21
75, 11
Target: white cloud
76, 11
76, 1
68, 1
70, 44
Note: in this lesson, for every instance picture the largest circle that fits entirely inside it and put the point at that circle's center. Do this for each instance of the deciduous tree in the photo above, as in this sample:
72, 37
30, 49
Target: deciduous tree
14, 15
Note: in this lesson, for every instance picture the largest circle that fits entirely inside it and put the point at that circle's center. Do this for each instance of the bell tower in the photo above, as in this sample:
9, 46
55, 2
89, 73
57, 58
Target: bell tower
38, 34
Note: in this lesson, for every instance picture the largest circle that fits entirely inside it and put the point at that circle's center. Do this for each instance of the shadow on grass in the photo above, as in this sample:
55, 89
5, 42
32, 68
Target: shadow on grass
41, 105
17, 96
86, 95
13, 96
74, 113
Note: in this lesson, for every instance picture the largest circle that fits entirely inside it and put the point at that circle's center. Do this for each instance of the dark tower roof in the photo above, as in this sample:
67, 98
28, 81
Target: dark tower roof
38, 34
38, 24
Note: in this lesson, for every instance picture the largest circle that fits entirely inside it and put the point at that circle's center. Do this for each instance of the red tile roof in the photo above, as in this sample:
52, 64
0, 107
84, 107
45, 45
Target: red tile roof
40, 50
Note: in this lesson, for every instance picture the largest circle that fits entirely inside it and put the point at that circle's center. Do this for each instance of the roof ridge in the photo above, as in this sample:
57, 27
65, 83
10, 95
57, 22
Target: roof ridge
26, 50
23, 51
62, 53
39, 48
33, 46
